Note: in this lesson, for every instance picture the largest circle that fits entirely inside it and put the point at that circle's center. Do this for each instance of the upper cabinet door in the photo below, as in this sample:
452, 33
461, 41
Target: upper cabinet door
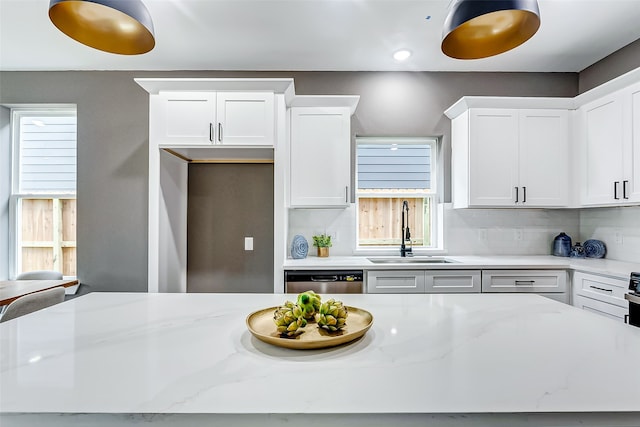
603, 142
245, 118
493, 157
178, 118
320, 157
631, 182
544, 158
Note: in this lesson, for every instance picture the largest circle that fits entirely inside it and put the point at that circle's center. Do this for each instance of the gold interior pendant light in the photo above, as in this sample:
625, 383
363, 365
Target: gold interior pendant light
115, 26
482, 28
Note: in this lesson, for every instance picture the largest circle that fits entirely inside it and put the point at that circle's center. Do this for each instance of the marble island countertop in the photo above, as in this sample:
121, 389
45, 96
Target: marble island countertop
603, 266
442, 360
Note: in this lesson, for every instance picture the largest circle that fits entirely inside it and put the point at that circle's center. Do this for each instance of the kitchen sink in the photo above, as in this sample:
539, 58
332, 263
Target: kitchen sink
411, 260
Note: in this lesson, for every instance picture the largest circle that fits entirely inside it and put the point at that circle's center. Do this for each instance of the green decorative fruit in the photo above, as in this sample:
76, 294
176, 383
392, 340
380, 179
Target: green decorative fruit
332, 315
289, 318
310, 303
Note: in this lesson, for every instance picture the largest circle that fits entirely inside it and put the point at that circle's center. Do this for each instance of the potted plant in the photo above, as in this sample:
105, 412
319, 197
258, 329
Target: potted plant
322, 242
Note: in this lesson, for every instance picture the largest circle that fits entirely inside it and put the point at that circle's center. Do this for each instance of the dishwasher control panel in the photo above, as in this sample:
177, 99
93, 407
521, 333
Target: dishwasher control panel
324, 281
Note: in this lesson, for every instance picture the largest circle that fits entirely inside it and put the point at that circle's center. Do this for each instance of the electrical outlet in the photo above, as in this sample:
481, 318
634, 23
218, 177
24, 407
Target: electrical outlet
618, 237
482, 234
519, 234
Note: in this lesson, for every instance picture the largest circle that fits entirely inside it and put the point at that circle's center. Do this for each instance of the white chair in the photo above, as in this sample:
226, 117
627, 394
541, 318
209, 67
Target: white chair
32, 302
40, 275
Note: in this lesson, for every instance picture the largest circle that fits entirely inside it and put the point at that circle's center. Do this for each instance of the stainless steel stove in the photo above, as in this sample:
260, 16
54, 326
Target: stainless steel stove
633, 296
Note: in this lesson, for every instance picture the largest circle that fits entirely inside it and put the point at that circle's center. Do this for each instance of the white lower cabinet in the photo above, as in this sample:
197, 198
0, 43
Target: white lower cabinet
423, 281
602, 308
395, 282
455, 281
601, 294
548, 283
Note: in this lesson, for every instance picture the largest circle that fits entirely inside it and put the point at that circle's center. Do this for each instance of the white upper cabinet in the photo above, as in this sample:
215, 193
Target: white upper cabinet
610, 144
206, 118
245, 118
602, 151
493, 157
510, 158
544, 157
320, 161
633, 189
182, 117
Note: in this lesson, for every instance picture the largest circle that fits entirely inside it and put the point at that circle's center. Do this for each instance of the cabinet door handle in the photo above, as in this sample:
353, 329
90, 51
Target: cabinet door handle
346, 194
615, 190
601, 289
525, 282
211, 132
219, 132
624, 189
524, 194
516, 194
626, 318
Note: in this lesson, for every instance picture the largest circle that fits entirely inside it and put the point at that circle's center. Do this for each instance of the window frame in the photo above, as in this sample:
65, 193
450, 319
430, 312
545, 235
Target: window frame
16, 194
433, 194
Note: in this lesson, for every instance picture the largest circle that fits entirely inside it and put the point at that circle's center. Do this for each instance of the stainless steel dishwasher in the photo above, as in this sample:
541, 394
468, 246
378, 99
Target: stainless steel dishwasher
324, 281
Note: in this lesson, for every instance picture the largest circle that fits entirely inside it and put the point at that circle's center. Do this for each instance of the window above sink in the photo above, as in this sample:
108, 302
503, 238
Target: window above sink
390, 171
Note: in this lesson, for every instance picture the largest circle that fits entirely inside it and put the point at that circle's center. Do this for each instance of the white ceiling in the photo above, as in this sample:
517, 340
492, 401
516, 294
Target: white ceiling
322, 35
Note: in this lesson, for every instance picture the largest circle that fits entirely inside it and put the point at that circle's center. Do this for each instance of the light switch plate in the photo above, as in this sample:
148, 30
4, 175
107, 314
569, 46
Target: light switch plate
248, 243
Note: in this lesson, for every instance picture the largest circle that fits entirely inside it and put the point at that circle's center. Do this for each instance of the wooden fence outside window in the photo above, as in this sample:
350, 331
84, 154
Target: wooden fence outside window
380, 220
48, 235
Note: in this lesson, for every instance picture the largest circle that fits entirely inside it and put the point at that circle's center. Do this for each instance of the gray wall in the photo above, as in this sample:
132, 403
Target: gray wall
614, 65
112, 169
113, 140
226, 203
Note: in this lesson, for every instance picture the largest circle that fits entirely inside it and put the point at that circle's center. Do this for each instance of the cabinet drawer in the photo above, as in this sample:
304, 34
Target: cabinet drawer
611, 311
453, 281
396, 281
538, 281
605, 289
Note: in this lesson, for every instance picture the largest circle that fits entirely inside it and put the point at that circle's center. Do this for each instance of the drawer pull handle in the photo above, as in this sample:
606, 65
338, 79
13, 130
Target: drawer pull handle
601, 289
525, 282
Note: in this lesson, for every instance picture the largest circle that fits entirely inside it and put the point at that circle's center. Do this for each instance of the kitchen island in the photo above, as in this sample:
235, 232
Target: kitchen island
107, 359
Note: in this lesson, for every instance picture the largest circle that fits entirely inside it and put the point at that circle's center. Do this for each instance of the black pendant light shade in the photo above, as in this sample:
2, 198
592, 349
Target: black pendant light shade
482, 28
115, 26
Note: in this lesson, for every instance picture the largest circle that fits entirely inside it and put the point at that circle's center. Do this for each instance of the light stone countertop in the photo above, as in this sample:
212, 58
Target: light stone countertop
436, 360
601, 266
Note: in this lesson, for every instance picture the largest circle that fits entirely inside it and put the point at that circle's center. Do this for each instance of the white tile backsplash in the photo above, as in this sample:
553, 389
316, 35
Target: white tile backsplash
340, 223
506, 231
618, 228
466, 231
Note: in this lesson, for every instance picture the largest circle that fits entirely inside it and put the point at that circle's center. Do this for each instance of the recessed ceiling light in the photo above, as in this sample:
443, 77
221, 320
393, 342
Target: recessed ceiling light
401, 55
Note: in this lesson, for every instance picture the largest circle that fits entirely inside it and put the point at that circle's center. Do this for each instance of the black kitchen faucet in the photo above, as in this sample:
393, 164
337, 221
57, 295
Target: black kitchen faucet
405, 233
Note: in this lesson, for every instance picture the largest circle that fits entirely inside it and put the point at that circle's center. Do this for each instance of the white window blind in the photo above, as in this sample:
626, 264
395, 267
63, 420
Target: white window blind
47, 156
394, 166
